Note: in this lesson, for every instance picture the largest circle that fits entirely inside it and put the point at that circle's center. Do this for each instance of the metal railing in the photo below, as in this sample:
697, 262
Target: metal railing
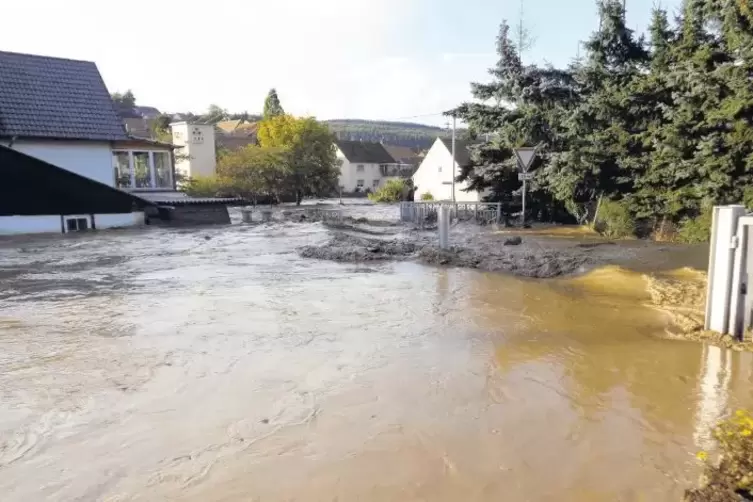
484, 213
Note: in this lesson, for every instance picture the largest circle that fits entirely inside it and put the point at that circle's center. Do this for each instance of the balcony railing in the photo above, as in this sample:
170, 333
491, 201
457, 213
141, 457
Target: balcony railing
397, 170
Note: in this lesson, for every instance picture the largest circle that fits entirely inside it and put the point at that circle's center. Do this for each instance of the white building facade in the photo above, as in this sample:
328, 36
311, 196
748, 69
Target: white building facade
364, 166
435, 174
196, 154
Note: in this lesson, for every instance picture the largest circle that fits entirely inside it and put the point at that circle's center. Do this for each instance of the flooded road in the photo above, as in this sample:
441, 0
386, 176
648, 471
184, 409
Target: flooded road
218, 365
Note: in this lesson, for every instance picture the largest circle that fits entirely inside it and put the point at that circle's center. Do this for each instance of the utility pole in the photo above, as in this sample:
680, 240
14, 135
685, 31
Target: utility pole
454, 119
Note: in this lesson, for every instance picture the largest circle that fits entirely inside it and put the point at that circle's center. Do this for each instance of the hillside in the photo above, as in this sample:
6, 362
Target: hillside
416, 136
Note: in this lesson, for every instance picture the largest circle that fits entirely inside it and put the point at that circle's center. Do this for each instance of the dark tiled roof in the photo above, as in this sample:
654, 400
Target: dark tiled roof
364, 152
403, 154
45, 97
462, 153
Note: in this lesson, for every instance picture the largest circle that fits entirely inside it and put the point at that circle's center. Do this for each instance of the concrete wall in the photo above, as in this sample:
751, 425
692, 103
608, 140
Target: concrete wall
349, 175
434, 175
92, 159
198, 141
13, 225
103, 221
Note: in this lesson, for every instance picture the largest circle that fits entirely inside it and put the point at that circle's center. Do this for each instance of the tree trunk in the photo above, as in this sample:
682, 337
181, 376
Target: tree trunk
298, 197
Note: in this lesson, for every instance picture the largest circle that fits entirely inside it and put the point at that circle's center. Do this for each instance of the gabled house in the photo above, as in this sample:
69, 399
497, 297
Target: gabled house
435, 173
56, 115
364, 166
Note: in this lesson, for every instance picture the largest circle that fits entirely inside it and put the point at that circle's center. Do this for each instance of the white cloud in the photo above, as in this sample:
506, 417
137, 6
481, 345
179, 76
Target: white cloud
329, 58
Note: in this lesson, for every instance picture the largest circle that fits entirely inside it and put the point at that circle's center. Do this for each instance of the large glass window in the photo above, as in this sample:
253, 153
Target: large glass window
141, 168
162, 170
122, 169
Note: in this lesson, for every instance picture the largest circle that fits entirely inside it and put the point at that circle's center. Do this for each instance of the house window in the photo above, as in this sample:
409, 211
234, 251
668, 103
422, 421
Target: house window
375, 183
76, 224
360, 183
359, 169
162, 170
122, 169
141, 169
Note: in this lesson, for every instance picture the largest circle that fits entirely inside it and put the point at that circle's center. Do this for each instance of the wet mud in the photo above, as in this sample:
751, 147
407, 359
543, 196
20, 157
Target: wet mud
533, 254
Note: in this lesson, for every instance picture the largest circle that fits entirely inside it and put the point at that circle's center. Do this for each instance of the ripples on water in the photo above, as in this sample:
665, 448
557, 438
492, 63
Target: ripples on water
216, 364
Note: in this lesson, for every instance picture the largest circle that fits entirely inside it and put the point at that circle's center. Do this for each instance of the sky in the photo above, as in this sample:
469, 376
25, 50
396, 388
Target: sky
402, 60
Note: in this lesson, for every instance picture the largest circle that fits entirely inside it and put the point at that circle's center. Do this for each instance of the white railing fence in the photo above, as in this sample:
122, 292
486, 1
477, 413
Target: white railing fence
423, 212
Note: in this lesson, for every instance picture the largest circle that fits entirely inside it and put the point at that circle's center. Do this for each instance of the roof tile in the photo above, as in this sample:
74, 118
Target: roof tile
46, 97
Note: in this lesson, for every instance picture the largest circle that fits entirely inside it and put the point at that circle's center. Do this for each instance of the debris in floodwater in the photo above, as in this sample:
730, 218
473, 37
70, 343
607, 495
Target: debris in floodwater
514, 241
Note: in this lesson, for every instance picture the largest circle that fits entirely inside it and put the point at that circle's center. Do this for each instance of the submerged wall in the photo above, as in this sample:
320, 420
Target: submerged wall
53, 223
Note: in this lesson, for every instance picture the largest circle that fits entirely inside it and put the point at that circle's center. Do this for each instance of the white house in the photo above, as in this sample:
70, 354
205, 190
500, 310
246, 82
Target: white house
435, 173
197, 153
58, 129
361, 165
367, 166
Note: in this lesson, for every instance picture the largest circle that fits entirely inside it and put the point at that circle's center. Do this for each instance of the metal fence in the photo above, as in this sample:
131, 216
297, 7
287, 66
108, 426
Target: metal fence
420, 213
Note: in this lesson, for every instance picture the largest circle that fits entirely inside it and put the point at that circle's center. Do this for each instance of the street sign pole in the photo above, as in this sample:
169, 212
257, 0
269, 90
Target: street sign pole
523, 218
525, 158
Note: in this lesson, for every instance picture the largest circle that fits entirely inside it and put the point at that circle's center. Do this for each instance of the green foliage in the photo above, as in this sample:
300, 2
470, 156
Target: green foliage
392, 191
309, 153
124, 100
614, 220
427, 196
272, 106
663, 124
748, 198
731, 479
252, 172
696, 230
204, 186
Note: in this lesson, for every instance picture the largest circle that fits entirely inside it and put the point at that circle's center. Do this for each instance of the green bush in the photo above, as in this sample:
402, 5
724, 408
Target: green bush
698, 229
392, 191
203, 186
427, 196
732, 478
614, 221
748, 198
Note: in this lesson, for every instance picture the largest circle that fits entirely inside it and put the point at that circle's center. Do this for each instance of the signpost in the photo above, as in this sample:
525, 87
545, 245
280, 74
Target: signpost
525, 158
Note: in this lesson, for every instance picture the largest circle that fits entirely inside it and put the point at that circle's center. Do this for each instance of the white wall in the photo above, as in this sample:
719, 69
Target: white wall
92, 159
103, 221
14, 225
434, 175
349, 174
10, 225
201, 155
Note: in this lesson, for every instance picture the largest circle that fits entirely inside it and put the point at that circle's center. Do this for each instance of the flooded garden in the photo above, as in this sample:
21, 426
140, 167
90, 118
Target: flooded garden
297, 360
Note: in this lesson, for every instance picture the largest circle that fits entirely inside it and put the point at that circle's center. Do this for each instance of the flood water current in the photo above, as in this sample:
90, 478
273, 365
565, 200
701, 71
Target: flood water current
217, 365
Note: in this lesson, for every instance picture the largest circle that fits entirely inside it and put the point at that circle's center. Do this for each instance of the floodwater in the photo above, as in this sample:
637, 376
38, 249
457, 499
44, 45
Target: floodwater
217, 365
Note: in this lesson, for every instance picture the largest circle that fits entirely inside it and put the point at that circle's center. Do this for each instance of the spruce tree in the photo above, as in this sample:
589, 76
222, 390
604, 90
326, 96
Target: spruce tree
272, 106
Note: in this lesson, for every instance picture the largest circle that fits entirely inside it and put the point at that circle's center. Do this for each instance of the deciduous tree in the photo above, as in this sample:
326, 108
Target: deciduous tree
309, 150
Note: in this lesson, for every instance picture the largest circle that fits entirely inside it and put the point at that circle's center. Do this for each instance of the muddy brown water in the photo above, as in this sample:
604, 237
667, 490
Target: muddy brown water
218, 365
